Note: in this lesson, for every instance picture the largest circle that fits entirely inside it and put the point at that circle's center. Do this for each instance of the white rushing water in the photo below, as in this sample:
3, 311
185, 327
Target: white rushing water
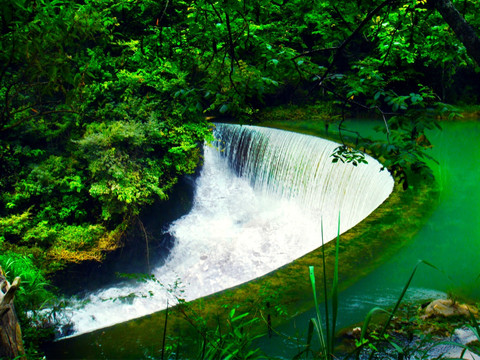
257, 206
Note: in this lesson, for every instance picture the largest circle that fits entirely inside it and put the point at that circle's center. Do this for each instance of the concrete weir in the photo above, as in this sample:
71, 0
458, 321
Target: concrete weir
254, 229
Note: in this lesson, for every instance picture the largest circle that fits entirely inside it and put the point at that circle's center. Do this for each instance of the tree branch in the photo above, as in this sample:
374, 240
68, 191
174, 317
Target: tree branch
463, 30
7, 291
363, 106
22, 120
311, 52
345, 22
340, 49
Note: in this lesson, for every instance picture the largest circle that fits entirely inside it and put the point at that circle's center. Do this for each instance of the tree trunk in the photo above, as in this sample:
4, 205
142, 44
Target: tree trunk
463, 30
11, 345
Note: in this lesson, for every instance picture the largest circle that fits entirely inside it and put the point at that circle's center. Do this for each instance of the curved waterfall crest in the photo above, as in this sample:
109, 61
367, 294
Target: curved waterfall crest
295, 166
257, 206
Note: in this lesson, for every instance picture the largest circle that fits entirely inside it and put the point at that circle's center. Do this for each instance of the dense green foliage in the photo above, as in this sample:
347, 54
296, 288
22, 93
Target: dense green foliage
91, 127
103, 102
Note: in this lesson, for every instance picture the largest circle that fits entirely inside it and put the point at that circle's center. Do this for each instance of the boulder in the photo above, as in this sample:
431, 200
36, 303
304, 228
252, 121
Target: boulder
448, 308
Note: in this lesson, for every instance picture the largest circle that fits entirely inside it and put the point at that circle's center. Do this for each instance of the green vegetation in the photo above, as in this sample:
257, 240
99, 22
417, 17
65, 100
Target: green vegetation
326, 337
91, 130
401, 331
103, 103
386, 333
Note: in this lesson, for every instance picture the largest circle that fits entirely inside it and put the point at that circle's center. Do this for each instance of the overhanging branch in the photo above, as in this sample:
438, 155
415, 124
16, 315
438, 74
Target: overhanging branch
463, 30
357, 30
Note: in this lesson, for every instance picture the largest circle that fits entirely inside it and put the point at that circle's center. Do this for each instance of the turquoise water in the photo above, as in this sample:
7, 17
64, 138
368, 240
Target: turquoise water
450, 240
451, 237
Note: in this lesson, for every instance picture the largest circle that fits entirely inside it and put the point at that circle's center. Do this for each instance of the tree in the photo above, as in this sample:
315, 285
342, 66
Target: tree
11, 345
91, 126
464, 31
375, 77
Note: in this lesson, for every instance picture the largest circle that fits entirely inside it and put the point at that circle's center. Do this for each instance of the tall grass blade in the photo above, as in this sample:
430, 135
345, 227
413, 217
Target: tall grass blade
309, 342
475, 328
164, 332
310, 334
464, 348
367, 320
397, 348
335, 289
317, 322
325, 288
405, 288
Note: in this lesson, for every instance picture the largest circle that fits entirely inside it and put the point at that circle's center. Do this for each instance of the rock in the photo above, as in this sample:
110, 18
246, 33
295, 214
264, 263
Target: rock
461, 336
448, 308
352, 333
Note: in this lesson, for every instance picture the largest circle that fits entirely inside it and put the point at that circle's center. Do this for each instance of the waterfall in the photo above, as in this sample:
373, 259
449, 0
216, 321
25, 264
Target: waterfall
259, 200
294, 166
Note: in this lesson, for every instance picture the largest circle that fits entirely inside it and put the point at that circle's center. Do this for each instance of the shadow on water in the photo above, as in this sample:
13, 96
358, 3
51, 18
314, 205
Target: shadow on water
78, 279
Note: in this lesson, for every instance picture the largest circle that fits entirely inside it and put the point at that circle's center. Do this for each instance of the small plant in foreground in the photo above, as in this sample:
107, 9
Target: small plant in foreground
325, 336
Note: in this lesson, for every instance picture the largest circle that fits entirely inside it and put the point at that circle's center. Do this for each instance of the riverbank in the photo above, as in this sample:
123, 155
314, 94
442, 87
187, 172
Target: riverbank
439, 328
314, 117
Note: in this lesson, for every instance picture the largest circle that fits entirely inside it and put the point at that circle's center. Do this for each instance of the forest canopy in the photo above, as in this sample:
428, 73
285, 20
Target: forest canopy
103, 103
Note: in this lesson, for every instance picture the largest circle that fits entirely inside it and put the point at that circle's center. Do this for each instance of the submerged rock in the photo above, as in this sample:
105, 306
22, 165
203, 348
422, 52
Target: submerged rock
463, 337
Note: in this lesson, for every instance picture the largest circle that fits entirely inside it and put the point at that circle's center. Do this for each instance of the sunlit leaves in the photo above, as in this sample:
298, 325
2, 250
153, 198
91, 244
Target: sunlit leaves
95, 131
348, 155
